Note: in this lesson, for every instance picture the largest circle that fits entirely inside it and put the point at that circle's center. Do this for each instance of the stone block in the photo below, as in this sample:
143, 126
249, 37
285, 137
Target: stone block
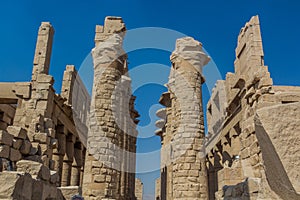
3, 125
44, 173
99, 178
17, 132
28, 166
6, 138
253, 185
8, 181
22, 89
37, 189
54, 177
41, 138
35, 149
44, 78
23, 187
17, 143
4, 151
15, 155
26, 147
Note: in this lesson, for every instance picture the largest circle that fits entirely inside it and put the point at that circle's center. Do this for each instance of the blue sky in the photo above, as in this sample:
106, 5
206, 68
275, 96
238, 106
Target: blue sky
215, 23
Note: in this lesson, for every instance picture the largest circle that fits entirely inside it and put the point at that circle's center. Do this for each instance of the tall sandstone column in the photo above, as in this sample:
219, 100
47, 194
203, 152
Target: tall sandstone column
188, 156
104, 175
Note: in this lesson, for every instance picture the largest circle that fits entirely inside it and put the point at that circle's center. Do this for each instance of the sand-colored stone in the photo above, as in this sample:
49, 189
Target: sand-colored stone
138, 189
251, 147
54, 146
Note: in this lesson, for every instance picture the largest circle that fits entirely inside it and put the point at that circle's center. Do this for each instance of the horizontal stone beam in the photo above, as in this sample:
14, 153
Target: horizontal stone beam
11, 92
6, 91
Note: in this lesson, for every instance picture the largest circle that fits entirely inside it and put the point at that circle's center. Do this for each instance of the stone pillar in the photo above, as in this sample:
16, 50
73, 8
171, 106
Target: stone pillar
189, 169
68, 160
77, 164
60, 151
123, 139
43, 50
102, 167
34, 113
132, 146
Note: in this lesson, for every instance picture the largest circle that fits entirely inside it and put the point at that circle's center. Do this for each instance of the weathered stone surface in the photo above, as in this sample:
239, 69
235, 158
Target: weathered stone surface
8, 181
70, 191
17, 132
4, 151
29, 167
252, 147
258, 131
54, 177
44, 173
280, 145
111, 131
183, 156
15, 155
17, 143
138, 189
26, 147
6, 138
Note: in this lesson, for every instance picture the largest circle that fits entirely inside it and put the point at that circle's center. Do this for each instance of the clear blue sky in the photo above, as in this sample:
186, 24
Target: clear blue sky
215, 23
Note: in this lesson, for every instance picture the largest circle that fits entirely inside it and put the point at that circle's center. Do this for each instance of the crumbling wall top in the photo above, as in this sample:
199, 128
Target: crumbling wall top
112, 25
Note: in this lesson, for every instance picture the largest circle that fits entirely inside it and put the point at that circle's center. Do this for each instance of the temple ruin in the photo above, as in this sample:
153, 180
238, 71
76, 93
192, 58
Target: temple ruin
252, 147
55, 146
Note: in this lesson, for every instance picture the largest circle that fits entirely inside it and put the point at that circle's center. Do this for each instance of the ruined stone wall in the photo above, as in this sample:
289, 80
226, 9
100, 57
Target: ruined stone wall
41, 128
40, 132
7, 113
244, 155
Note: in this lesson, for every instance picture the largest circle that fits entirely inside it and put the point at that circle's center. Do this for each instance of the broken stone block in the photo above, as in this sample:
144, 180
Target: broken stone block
6, 138
22, 89
37, 189
35, 149
26, 147
54, 177
8, 182
23, 188
17, 143
44, 173
35, 158
44, 78
17, 132
41, 138
70, 191
29, 167
4, 151
45, 160
253, 185
15, 155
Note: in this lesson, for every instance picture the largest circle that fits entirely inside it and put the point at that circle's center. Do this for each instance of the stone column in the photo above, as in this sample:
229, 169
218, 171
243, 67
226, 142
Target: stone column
132, 145
189, 169
123, 142
77, 164
102, 167
68, 160
43, 50
58, 154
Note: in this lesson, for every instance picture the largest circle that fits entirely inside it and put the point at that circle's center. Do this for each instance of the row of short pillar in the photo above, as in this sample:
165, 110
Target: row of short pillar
69, 158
